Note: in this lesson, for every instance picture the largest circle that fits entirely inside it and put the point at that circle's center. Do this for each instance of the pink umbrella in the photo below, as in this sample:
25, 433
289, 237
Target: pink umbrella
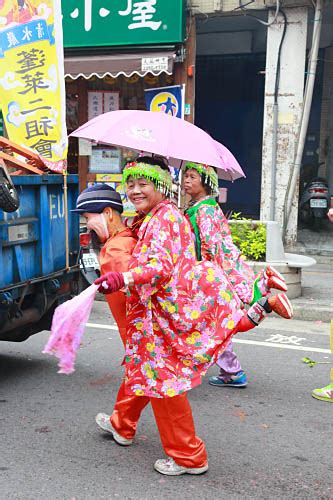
161, 134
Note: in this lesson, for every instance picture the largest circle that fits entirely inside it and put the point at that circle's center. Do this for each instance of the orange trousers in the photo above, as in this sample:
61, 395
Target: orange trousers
174, 422
117, 304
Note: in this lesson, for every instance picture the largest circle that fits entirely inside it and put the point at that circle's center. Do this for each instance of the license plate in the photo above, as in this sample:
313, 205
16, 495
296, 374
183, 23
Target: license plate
318, 203
18, 233
89, 260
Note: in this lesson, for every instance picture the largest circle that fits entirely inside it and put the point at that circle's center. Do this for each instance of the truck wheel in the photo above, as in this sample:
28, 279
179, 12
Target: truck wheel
9, 200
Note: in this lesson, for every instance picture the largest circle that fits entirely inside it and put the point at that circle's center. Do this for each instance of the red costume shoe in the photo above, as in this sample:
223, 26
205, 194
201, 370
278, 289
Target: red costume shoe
273, 279
281, 305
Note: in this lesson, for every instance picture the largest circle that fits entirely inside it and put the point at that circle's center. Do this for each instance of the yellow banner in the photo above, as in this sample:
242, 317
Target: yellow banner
32, 87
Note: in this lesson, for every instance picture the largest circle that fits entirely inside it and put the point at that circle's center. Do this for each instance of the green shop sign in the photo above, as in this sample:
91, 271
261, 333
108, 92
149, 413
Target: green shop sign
98, 23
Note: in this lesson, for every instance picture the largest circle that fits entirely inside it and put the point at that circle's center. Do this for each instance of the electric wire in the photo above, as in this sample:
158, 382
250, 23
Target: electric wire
278, 64
270, 23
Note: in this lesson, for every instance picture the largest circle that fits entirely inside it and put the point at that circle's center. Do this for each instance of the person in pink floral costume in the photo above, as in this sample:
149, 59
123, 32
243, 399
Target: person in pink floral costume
214, 243
180, 315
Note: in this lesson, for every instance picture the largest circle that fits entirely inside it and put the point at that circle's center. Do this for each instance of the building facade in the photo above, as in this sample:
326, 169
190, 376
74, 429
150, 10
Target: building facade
256, 65
113, 54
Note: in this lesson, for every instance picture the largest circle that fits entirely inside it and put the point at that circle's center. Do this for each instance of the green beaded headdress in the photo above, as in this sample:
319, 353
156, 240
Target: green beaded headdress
210, 175
161, 178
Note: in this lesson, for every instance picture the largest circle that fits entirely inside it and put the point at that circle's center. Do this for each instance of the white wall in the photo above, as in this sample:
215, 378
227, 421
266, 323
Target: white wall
290, 100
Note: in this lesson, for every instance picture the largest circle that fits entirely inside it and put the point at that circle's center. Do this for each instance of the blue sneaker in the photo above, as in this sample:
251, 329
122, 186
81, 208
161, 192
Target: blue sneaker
237, 380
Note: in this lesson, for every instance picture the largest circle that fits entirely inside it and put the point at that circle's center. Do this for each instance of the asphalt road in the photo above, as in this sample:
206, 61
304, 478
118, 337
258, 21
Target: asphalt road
270, 440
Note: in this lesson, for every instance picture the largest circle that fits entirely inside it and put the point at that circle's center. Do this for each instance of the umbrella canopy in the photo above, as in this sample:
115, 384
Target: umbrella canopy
161, 134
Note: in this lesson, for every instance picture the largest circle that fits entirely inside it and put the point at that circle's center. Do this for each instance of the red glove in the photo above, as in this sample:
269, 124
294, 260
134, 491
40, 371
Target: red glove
110, 282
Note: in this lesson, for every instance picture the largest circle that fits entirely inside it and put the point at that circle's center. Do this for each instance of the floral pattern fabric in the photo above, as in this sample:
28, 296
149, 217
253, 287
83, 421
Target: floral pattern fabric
181, 314
217, 246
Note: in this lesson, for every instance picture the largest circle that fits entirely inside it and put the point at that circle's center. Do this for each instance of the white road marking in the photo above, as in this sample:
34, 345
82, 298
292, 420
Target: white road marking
102, 327
283, 339
236, 341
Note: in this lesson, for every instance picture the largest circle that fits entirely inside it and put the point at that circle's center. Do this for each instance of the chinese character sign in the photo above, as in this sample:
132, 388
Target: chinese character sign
32, 77
95, 104
111, 101
89, 23
142, 14
168, 100
100, 101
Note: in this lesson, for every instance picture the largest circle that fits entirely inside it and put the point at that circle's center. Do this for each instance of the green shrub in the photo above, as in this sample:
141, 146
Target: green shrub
249, 237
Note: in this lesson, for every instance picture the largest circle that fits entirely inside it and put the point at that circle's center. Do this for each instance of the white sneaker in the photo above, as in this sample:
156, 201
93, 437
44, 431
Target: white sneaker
169, 467
103, 422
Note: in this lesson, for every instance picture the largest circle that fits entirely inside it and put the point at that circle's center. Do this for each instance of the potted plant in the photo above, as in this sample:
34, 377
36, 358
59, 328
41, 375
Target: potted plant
261, 244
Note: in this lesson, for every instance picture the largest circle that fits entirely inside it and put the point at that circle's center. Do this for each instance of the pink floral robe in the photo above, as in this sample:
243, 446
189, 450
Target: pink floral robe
181, 314
217, 246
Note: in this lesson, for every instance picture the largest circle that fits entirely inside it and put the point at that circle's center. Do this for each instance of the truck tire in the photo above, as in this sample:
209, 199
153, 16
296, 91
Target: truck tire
9, 200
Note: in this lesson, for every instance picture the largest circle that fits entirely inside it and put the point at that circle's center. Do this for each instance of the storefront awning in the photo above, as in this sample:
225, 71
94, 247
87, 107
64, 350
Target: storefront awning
120, 64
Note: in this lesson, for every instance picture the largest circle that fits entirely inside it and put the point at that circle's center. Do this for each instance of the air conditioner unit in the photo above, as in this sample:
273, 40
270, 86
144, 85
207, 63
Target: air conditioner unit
206, 6
290, 3
214, 6
230, 5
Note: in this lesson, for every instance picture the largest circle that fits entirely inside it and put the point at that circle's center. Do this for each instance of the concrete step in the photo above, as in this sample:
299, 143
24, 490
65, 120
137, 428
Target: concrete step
323, 256
324, 259
306, 310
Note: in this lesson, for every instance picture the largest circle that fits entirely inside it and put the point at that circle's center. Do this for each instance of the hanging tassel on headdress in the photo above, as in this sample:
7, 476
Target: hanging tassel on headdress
210, 175
154, 173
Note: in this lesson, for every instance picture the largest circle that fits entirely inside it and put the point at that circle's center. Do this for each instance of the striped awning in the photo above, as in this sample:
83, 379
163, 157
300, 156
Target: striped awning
120, 64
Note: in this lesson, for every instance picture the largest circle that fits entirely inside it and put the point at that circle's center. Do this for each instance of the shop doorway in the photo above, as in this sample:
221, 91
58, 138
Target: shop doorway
230, 105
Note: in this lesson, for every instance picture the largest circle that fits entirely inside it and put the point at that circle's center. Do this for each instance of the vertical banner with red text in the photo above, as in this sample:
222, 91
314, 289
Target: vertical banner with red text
32, 86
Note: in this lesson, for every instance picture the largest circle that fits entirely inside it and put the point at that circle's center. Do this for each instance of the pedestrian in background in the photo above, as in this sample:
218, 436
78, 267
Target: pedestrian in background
213, 242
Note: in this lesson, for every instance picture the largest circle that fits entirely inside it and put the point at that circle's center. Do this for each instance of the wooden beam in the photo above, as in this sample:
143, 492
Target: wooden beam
185, 71
8, 146
14, 162
83, 161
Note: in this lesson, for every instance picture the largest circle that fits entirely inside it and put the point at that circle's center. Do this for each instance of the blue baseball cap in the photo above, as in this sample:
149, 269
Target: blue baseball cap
97, 197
